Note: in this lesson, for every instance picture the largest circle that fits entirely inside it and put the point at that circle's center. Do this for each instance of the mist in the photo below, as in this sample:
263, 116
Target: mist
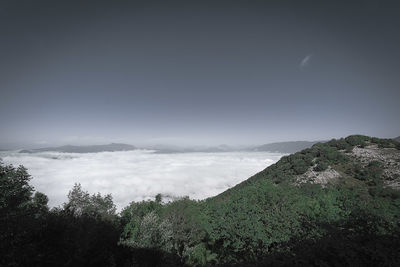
140, 174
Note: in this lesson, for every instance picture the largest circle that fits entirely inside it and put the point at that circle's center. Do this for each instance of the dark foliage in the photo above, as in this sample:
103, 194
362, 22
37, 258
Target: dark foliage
321, 166
351, 243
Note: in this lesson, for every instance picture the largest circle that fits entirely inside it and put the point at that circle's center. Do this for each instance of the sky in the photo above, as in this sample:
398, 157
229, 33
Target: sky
197, 72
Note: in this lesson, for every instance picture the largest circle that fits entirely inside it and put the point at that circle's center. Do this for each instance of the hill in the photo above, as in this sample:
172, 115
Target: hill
343, 158
397, 138
331, 204
327, 204
84, 149
285, 147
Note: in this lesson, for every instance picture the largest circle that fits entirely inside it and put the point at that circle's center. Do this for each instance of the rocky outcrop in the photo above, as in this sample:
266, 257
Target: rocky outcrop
389, 157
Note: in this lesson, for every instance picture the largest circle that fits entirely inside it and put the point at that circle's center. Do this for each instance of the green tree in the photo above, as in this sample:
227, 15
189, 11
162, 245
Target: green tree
80, 203
21, 217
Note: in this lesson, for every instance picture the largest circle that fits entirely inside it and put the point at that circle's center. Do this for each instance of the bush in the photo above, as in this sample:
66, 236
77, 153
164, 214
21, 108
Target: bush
357, 140
371, 173
299, 166
385, 143
321, 166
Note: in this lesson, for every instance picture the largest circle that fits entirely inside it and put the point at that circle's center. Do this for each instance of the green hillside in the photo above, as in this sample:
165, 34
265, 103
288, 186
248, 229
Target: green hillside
338, 155
334, 204
297, 211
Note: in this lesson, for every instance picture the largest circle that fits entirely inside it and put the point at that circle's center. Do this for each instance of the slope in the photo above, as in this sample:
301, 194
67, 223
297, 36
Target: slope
333, 161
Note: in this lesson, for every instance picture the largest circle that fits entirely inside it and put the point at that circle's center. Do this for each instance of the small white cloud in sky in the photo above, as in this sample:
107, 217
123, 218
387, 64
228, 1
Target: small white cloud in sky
306, 61
138, 175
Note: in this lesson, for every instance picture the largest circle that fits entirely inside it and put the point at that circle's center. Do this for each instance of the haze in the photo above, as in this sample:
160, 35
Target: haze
197, 72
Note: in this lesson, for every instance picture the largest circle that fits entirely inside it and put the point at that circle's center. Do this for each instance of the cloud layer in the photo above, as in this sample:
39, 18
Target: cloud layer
138, 175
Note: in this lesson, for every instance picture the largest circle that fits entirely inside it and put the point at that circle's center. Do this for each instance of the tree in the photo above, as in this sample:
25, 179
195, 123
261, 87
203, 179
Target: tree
21, 217
15, 190
81, 203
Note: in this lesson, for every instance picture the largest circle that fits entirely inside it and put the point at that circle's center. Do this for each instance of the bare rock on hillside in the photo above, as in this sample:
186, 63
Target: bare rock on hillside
389, 157
325, 177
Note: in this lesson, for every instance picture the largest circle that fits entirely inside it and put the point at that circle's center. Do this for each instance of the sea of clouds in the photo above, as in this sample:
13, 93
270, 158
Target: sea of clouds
140, 174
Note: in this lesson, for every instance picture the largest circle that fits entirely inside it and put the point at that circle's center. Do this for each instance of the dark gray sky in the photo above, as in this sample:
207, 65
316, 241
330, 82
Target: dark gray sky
198, 72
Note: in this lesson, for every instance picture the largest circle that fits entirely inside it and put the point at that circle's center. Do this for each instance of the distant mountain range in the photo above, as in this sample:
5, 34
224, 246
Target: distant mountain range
281, 147
286, 147
278, 147
83, 149
162, 149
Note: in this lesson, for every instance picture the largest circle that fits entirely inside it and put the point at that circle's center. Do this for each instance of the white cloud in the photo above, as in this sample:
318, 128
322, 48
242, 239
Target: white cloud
137, 175
306, 61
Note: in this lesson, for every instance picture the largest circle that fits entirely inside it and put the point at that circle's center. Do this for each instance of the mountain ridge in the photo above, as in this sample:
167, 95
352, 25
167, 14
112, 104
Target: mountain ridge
330, 157
83, 149
286, 147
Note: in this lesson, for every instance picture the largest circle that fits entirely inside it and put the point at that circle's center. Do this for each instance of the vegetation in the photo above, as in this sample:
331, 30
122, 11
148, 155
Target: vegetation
269, 219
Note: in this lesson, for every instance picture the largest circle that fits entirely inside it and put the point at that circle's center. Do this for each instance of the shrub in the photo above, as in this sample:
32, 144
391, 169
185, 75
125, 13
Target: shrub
357, 140
321, 166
